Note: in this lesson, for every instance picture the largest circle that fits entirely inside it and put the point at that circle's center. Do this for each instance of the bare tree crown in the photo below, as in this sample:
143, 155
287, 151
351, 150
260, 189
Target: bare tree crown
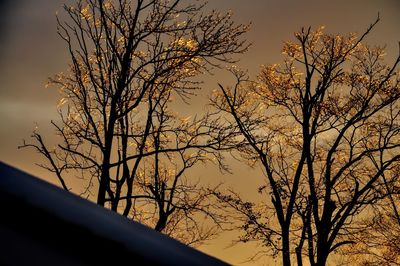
118, 129
325, 127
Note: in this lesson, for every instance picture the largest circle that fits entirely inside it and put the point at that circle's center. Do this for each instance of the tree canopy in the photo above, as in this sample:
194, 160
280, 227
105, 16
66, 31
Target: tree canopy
118, 130
325, 128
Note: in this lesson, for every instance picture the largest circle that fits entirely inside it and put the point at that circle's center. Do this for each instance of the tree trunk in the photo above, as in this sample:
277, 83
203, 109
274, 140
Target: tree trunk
161, 223
105, 167
322, 249
298, 256
285, 247
101, 194
322, 258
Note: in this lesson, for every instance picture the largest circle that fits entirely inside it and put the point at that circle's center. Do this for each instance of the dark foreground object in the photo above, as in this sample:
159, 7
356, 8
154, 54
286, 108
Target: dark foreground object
41, 224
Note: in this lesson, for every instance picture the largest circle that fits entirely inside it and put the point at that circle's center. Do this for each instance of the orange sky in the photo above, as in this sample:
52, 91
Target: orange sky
30, 51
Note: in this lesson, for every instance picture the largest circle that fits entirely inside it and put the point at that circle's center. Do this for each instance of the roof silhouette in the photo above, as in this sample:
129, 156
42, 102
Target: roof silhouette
42, 224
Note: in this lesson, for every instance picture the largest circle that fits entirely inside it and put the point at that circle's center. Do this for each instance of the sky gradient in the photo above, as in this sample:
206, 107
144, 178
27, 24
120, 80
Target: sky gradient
30, 52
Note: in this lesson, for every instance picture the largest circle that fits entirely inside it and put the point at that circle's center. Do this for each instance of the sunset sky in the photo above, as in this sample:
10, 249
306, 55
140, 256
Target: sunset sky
30, 52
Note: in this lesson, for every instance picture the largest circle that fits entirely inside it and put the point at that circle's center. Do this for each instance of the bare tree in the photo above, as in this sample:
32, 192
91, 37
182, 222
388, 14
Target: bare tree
129, 59
325, 128
380, 243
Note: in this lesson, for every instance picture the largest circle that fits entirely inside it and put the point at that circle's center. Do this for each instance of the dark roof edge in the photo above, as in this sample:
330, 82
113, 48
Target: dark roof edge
107, 224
